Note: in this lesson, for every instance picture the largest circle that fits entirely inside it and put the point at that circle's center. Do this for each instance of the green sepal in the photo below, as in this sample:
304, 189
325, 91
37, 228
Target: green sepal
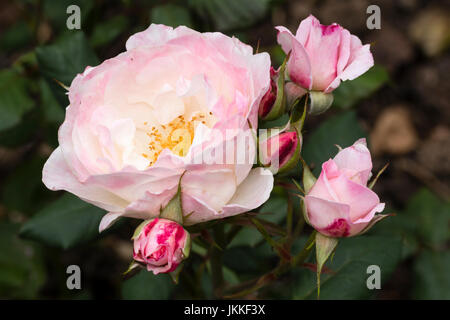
299, 187
374, 220
133, 265
298, 116
319, 102
372, 183
139, 228
279, 105
325, 246
175, 275
187, 246
174, 210
308, 178
304, 210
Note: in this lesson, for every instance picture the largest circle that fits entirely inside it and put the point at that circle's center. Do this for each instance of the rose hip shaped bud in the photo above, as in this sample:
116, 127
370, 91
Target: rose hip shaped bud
281, 152
322, 56
340, 204
161, 245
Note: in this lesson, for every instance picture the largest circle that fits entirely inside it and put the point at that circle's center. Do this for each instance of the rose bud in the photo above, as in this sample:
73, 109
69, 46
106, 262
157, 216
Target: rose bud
340, 204
281, 152
269, 98
322, 56
273, 103
161, 245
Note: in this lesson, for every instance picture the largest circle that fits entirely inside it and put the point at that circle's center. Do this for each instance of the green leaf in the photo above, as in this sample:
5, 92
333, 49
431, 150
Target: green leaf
31, 198
230, 14
342, 129
63, 60
22, 271
246, 260
431, 276
14, 99
15, 37
52, 109
65, 223
23, 132
107, 31
399, 225
351, 92
146, 286
432, 217
274, 210
171, 15
349, 265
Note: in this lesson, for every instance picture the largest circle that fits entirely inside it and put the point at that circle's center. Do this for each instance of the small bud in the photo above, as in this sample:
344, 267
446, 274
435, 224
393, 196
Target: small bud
273, 103
269, 98
319, 102
161, 245
281, 152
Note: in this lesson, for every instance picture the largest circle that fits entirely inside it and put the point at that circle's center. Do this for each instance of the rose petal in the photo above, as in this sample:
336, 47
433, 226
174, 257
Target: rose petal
56, 175
356, 158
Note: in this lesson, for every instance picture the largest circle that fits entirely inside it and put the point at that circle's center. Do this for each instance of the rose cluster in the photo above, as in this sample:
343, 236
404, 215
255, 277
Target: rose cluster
137, 125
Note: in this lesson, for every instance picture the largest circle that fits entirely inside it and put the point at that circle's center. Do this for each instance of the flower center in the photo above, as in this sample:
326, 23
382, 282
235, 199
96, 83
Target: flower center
176, 136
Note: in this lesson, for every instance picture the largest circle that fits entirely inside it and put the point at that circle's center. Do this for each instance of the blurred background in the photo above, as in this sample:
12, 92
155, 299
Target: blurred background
401, 105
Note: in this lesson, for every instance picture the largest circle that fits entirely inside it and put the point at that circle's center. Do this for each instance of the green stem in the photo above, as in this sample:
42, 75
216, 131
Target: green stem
300, 223
279, 249
275, 273
217, 260
289, 216
301, 257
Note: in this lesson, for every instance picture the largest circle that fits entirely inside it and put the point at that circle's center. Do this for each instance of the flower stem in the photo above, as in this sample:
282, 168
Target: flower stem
267, 278
301, 257
217, 260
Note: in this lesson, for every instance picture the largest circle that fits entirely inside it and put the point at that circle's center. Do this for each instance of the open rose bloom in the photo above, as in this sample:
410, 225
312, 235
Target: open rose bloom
161, 245
140, 120
340, 204
323, 56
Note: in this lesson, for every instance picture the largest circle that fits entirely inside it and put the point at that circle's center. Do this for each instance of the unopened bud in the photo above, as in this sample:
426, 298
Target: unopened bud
273, 103
281, 152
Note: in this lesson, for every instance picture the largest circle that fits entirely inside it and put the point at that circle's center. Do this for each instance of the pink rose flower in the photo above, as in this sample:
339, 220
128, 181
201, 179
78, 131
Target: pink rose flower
138, 121
161, 245
340, 204
322, 55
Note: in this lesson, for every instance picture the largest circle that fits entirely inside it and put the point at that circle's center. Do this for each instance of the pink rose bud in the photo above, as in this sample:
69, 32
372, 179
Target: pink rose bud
340, 204
281, 152
322, 56
268, 100
161, 245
